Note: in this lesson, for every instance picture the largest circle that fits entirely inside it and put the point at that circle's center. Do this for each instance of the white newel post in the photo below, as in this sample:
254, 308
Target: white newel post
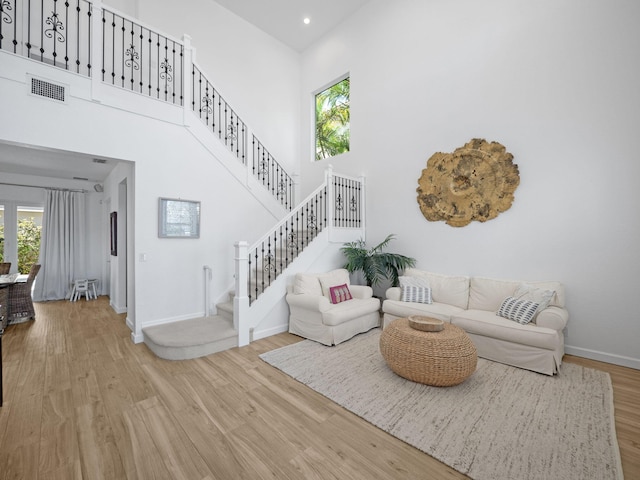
241, 298
187, 68
328, 178
96, 51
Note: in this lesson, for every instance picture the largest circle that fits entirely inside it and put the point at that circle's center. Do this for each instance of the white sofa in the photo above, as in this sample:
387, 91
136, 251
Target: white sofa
313, 314
472, 304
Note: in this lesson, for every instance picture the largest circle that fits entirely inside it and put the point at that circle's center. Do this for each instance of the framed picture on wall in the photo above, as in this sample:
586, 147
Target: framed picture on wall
178, 218
113, 217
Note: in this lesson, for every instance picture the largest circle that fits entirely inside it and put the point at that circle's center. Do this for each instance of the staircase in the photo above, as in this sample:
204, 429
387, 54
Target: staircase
129, 57
331, 215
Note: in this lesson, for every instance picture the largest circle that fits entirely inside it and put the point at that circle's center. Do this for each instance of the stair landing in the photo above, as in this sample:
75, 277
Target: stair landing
193, 338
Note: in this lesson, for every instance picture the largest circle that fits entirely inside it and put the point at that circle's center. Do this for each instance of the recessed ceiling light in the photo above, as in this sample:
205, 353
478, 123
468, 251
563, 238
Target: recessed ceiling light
306, 20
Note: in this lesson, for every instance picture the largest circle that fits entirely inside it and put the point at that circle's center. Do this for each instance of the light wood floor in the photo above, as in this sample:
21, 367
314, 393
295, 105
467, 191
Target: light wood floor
83, 402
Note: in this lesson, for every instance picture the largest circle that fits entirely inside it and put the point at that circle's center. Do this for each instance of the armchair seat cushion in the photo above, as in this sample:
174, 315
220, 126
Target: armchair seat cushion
345, 311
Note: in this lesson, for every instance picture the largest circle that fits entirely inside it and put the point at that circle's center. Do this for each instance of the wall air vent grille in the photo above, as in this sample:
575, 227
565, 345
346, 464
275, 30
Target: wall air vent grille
47, 89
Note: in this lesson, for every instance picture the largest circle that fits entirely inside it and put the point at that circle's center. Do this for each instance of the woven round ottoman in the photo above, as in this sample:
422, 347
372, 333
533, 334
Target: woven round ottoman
440, 359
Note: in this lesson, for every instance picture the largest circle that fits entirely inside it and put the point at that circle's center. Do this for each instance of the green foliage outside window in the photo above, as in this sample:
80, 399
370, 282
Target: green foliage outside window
332, 120
29, 235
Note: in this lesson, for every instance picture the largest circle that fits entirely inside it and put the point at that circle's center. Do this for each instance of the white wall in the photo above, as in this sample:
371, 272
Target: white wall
255, 73
557, 84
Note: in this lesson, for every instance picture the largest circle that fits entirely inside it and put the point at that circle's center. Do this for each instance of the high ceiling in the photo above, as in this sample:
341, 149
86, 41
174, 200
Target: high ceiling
282, 19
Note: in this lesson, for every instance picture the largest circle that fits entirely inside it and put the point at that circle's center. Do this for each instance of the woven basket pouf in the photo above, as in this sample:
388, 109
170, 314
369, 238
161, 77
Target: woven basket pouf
441, 359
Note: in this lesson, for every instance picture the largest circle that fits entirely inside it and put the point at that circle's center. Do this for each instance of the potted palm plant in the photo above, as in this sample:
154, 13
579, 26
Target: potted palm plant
375, 264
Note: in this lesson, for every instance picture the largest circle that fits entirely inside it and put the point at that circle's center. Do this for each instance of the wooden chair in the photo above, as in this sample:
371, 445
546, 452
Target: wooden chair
4, 268
20, 301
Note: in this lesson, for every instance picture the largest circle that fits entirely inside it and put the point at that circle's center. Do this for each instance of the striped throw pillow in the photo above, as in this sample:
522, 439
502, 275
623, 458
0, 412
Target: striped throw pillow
416, 294
521, 311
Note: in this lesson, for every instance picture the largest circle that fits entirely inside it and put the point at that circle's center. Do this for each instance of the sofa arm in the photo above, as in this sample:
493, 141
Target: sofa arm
361, 291
393, 293
315, 303
553, 317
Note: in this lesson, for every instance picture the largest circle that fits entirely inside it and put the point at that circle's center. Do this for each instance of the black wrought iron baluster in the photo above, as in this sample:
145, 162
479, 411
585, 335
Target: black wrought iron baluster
298, 233
150, 42
173, 62
29, 45
141, 37
226, 124
249, 292
104, 43
113, 49
244, 144
219, 117
41, 30
123, 29
255, 274
89, 42
133, 57
325, 205
66, 44
78, 36
193, 89
164, 69
281, 253
181, 75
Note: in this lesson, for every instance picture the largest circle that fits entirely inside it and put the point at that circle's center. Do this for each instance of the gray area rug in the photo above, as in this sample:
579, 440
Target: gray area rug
501, 423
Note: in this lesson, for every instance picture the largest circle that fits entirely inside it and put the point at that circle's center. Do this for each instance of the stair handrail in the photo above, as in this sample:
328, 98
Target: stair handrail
324, 207
304, 215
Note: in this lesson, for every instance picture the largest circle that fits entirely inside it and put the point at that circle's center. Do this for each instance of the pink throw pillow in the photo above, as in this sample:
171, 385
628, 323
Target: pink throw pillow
340, 293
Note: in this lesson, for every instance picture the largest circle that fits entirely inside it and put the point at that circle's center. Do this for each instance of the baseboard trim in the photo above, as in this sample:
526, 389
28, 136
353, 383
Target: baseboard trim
603, 357
137, 338
258, 334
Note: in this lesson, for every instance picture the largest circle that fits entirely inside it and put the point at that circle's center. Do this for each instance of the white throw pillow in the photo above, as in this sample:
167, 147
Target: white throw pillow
411, 281
333, 279
307, 283
533, 294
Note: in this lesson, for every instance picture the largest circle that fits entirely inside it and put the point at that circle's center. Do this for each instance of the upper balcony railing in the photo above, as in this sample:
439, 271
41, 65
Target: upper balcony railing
141, 60
50, 31
82, 37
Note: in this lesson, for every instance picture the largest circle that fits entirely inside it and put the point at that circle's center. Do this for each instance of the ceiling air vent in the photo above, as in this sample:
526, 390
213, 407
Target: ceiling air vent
49, 90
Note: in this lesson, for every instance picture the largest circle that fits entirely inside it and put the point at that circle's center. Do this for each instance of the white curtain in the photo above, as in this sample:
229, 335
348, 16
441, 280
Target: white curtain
62, 247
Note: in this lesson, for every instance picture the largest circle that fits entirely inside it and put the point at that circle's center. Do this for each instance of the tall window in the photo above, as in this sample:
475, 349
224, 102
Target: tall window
20, 229
332, 120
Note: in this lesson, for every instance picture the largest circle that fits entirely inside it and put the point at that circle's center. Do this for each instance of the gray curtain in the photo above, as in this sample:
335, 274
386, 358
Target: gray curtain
62, 247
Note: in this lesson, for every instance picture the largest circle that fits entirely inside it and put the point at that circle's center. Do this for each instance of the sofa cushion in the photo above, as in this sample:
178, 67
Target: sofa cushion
521, 311
340, 293
488, 293
488, 324
416, 294
333, 279
441, 311
450, 289
307, 283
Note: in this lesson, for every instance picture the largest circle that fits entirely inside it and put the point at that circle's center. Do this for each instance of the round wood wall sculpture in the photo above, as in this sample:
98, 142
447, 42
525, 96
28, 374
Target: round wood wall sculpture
475, 182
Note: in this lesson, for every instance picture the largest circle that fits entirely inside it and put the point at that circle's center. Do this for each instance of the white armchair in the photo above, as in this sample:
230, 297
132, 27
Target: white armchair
314, 315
